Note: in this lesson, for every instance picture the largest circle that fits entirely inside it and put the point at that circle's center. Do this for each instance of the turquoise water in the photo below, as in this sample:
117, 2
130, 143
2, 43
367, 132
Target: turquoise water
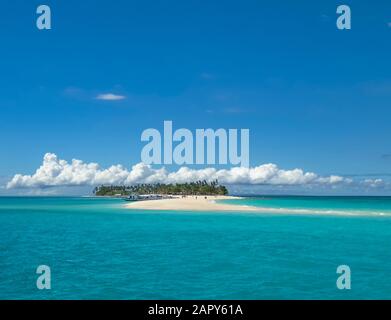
371, 206
96, 249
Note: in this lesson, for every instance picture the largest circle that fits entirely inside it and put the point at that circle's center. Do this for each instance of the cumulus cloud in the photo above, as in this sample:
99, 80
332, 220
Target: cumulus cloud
56, 172
110, 97
373, 183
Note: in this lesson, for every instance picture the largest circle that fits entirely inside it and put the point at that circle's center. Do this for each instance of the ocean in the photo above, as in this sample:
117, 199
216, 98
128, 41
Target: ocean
97, 249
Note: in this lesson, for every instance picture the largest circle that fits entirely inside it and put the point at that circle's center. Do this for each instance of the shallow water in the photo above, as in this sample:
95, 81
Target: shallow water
371, 206
98, 249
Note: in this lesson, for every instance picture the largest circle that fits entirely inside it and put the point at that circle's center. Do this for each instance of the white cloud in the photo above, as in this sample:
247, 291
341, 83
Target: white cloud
334, 180
57, 172
373, 183
389, 24
110, 97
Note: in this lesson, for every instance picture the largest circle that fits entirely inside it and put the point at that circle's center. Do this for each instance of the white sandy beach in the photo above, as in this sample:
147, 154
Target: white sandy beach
200, 203
190, 203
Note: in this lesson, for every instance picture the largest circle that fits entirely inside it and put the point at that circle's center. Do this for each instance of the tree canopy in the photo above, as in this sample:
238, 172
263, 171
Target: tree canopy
192, 188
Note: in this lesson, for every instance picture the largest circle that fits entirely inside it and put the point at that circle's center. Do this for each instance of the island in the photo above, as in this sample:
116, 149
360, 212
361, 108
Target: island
183, 189
193, 196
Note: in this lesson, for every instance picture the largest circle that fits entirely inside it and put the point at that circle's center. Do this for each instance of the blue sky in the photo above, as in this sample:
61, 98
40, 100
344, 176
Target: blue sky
314, 97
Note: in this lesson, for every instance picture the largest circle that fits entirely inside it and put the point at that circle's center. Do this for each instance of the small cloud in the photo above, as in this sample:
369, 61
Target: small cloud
110, 97
389, 24
374, 183
386, 156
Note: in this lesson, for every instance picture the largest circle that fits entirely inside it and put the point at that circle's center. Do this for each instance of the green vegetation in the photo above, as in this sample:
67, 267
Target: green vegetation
193, 188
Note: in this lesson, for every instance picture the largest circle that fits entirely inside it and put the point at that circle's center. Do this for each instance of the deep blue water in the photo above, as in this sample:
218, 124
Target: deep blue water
96, 249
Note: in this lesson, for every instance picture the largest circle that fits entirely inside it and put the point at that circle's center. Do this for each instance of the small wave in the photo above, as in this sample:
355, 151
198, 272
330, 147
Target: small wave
322, 211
